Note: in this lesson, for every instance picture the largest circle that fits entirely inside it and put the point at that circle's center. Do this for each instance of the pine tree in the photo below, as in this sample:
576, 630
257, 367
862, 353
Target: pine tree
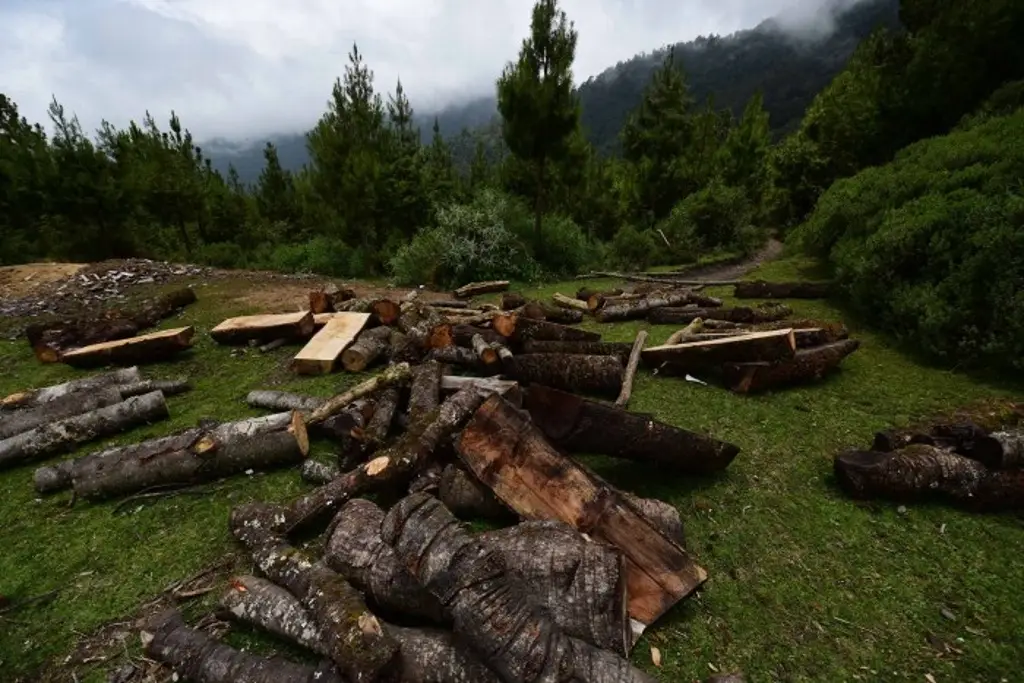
406, 206
440, 168
275, 189
741, 158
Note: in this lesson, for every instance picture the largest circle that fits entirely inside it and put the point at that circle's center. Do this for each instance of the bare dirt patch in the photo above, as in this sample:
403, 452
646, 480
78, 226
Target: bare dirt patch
19, 281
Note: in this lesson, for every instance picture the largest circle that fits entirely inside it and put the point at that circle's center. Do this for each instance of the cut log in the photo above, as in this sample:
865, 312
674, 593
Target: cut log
579, 425
486, 385
320, 302
519, 329
282, 400
491, 610
1000, 450
808, 332
392, 375
484, 352
262, 603
477, 288
456, 355
169, 387
425, 392
379, 426
462, 335
353, 637
386, 311
368, 347
264, 328
320, 355
568, 302
318, 473
634, 362
337, 427
719, 325
805, 366
511, 456
660, 514
512, 300
467, 498
638, 308
448, 303
572, 372
619, 349
919, 472
69, 405
687, 334
146, 348
537, 310
197, 657
64, 435
759, 289
212, 454
777, 345
598, 301
35, 397
739, 314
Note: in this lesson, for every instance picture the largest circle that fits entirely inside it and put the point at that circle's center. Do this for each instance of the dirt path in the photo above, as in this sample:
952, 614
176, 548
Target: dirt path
19, 281
734, 271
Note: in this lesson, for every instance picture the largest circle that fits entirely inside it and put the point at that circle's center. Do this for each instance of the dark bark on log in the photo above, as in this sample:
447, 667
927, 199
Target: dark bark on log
519, 329
537, 310
467, 498
318, 473
1001, 450
353, 637
425, 392
572, 372
739, 314
36, 397
216, 453
759, 289
368, 347
512, 300
198, 658
462, 335
621, 350
259, 602
264, 328
631, 366
505, 387
511, 456
662, 515
639, 308
492, 610
168, 387
477, 288
393, 375
337, 427
579, 425
806, 365
379, 426
64, 435
148, 348
69, 405
487, 355
435, 656
919, 472
773, 346
456, 355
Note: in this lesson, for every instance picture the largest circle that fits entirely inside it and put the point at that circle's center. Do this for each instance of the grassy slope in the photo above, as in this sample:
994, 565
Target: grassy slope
805, 585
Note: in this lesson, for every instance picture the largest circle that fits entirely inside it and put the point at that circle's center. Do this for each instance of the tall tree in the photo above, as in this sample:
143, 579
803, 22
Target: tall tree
275, 190
536, 99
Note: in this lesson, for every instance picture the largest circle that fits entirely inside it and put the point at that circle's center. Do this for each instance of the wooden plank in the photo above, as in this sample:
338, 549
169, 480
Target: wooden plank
319, 356
145, 348
510, 455
264, 328
773, 345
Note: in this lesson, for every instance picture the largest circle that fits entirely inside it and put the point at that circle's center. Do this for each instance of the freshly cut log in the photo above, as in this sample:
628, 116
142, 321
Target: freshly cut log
35, 397
69, 405
392, 375
486, 385
353, 637
50, 340
338, 426
520, 329
368, 347
491, 610
484, 352
631, 365
386, 311
661, 514
512, 300
197, 657
739, 314
477, 288
511, 456
580, 425
686, 334
618, 349
146, 348
806, 365
759, 289
920, 471
572, 372
425, 391
467, 498
64, 435
776, 345
568, 302
169, 387
638, 308
223, 451
320, 354
58, 477
264, 328
462, 335
1000, 450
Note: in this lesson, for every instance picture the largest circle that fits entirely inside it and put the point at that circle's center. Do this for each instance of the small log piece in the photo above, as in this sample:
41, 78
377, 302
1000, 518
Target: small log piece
425, 392
368, 347
638, 308
69, 405
512, 300
478, 288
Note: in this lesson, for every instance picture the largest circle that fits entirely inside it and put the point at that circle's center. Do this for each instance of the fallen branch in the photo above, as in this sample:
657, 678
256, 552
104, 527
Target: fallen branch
393, 375
634, 362
686, 334
477, 288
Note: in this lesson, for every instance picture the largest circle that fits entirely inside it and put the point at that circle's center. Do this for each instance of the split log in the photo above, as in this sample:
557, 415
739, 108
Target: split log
660, 514
197, 657
477, 288
806, 365
484, 352
425, 392
579, 425
920, 471
456, 355
739, 314
511, 456
168, 387
368, 347
567, 302
264, 328
638, 308
467, 498
1001, 450
386, 311
353, 637
619, 349
686, 334
69, 405
392, 375
209, 455
512, 300
631, 366
36, 397
321, 353
146, 348
777, 345
572, 372
759, 289
519, 329
491, 610
486, 385
64, 435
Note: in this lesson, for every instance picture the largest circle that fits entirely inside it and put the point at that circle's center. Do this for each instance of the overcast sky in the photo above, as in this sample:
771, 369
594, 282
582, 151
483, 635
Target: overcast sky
247, 68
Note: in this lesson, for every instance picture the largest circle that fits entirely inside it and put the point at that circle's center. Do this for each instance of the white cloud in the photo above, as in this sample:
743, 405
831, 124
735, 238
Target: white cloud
247, 68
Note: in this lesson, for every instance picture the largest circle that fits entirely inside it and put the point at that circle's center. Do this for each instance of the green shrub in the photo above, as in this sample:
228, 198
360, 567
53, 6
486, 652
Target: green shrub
716, 218
567, 251
931, 246
320, 255
633, 249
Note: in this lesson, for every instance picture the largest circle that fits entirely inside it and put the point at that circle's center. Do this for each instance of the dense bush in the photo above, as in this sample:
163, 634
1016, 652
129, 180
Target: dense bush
931, 246
320, 255
716, 218
633, 249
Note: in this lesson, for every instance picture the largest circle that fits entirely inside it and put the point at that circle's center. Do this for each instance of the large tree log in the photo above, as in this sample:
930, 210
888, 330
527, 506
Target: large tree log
264, 328
520, 329
619, 349
492, 610
64, 435
462, 335
477, 288
320, 354
49, 341
146, 348
353, 637
638, 308
425, 392
198, 658
776, 345
369, 346
467, 498
510, 455
386, 311
572, 372
36, 397
512, 300
920, 471
456, 355
806, 365
631, 366
759, 289
209, 455
579, 425
69, 405
739, 314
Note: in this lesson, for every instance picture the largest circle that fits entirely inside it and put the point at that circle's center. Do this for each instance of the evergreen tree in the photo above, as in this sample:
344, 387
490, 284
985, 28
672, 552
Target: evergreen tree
275, 190
407, 205
440, 168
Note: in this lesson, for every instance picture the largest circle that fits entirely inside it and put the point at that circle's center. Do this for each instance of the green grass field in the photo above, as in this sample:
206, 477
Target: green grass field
804, 584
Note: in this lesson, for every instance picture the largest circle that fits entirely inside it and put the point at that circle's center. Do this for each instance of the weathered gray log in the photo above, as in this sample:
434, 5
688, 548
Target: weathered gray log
338, 427
393, 375
64, 435
1001, 450
69, 405
425, 391
760, 289
539, 310
168, 387
261, 602
806, 365
35, 397
573, 372
455, 355
318, 473
282, 400
638, 308
631, 367
619, 349
521, 329
467, 498
477, 288
739, 314
369, 346
379, 426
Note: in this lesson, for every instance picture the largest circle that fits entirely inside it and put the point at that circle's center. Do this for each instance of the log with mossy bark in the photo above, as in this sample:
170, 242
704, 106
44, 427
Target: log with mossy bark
35, 397
580, 425
639, 308
739, 314
152, 347
760, 289
478, 288
425, 390
264, 328
806, 365
462, 335
772, 346
510, 455
493, 612
65, 435
620, 350
519, 329
168, 387
572, 372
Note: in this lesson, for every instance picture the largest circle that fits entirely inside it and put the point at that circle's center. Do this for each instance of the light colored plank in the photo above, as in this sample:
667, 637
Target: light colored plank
144, 347
264, 327
322, 352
